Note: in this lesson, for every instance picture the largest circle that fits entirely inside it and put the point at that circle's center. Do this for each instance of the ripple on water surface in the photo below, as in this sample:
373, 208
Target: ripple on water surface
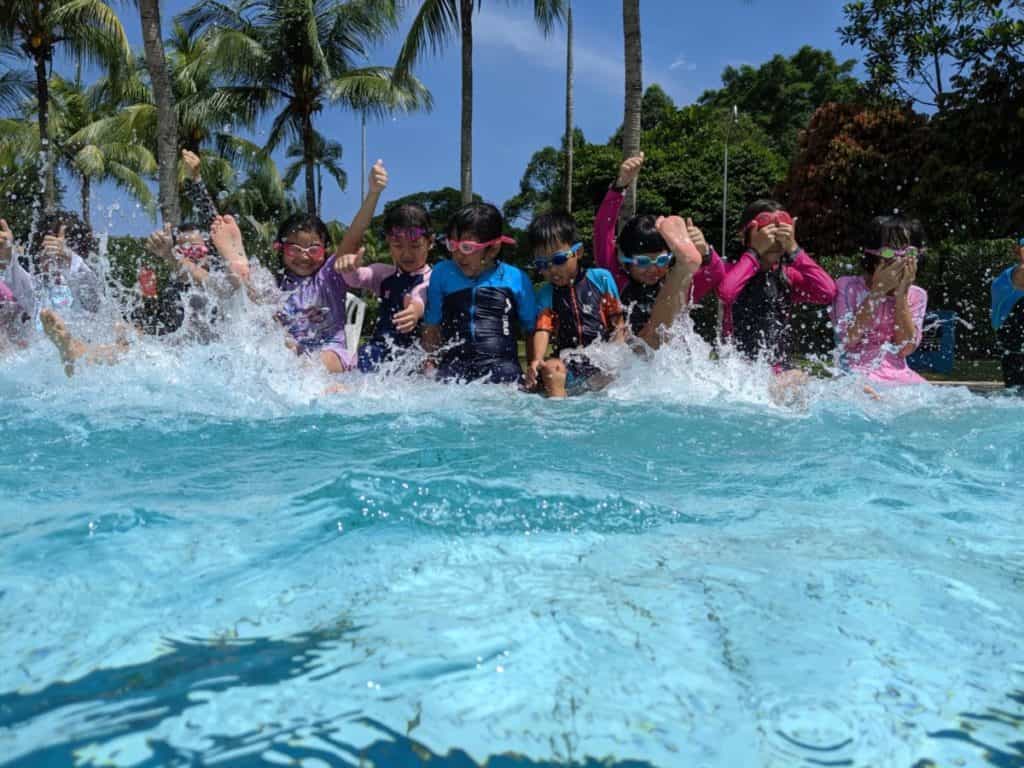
208, 562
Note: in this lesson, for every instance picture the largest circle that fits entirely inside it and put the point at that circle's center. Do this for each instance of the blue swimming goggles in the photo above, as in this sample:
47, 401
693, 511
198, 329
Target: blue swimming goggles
646, 261
556, 259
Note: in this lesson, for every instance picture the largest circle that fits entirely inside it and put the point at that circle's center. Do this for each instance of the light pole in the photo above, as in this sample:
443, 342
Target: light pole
725, 176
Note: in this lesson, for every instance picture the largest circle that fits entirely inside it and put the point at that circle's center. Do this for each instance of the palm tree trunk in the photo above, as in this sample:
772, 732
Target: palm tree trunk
569, 108
86, 195
46, 154
634, 91
310, 163
466, 160
167, 118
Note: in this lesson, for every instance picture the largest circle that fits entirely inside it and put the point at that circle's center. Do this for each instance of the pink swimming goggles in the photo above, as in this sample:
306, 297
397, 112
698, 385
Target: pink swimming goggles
768, 218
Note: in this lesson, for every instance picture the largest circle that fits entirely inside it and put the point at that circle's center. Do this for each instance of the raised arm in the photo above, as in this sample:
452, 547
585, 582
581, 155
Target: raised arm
203, 208
608, 215
353, 238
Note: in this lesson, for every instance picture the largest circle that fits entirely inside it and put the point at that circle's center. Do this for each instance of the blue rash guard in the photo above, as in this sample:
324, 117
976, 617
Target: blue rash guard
1008, 320
481, 320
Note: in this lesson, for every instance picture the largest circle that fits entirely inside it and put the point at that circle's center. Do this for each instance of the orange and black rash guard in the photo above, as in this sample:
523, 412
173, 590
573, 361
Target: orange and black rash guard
582, 312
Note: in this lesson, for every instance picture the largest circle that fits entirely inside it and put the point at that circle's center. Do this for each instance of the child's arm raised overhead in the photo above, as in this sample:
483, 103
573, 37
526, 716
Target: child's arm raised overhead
608, 215
357, 229
204, 210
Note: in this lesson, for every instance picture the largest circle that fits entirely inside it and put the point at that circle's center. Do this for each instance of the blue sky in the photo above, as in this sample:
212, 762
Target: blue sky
519, 88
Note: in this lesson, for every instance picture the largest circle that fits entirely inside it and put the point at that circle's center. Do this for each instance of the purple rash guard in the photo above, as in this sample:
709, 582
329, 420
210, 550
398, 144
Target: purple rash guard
314, 312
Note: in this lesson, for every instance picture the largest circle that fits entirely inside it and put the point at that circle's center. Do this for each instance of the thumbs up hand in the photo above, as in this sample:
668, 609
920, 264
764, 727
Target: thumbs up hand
378, 177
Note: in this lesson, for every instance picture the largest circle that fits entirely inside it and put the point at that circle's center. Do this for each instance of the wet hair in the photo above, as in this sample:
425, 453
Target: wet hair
640, 235
303, 222
755, 209
407, 216
482, 220
77, 234
892, 231
550, 229
299, 222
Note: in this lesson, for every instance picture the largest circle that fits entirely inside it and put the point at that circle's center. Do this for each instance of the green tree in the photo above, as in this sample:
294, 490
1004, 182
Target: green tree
100, 157
855, 163
683, 173
294, 57
964, 58
326, 157
782, 94
107, 157
38, 29
435, 23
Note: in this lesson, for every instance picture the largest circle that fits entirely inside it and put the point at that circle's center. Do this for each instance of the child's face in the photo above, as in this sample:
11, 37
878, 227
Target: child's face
189, 245
303, 253
563, 274
648, 275
475, 263
409, 255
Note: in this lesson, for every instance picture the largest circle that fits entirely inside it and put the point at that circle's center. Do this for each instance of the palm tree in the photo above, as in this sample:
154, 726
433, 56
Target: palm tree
295, 57
569, 108
634, 91
108, 158
435, 23
88, 155
167, 118
37, 29
326, 156
201, 113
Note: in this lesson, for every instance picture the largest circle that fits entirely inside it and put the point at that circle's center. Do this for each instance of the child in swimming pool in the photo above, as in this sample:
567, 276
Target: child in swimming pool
878, 315
310, 291
576, 306
401, 286
639, 259
1008, 318
477, 305
61, 279
759, 290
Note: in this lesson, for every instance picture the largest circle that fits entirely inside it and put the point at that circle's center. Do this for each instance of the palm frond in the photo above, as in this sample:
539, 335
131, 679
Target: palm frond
16, 85
378, 91
434, 25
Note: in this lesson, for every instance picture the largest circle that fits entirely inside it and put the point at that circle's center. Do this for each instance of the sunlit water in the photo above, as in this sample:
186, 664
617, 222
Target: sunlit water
207, 561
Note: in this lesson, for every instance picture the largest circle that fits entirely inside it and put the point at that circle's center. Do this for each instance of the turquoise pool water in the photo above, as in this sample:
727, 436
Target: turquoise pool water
207, 563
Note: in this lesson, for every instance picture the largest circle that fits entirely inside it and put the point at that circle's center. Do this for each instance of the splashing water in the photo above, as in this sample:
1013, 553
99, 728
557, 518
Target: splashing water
209, 561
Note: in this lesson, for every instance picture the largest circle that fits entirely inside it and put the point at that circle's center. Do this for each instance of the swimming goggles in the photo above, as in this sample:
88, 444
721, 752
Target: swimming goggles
768, 218
556, 259
469, 247
314, 252
195, 252
646, 261
895, 253
412, 234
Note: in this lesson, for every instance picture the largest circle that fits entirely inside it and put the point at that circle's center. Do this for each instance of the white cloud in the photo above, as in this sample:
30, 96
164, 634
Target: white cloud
600, 64
681, 62
521, 34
